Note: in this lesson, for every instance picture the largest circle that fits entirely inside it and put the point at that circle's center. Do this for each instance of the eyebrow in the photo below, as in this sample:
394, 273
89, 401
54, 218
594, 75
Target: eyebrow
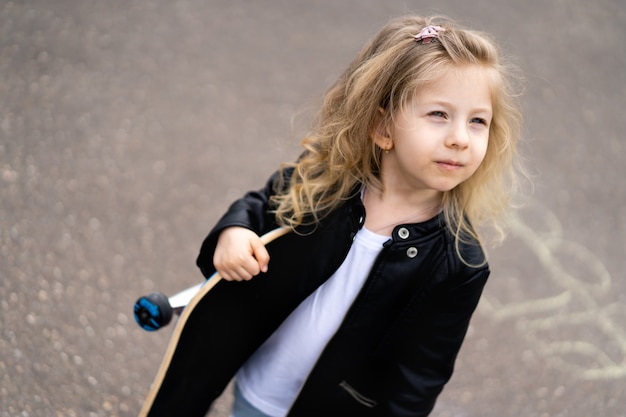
449, 104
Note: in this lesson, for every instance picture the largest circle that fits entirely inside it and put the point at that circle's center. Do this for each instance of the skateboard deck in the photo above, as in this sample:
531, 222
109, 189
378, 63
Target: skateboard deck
151, 312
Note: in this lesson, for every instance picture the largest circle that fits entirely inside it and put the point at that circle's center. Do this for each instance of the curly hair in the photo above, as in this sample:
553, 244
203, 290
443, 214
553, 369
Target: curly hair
340, 155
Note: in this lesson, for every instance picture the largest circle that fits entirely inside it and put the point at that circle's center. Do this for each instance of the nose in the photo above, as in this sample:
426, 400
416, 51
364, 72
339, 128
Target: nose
458, 136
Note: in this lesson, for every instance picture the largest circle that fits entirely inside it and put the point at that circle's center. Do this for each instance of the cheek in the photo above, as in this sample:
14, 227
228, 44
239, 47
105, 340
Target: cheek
479, 154
483, 147
483, 151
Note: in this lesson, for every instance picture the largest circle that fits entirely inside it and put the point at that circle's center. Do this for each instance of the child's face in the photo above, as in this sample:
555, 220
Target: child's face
440, 138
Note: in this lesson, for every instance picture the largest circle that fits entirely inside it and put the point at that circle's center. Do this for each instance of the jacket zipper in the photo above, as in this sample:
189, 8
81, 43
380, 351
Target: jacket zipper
357, 396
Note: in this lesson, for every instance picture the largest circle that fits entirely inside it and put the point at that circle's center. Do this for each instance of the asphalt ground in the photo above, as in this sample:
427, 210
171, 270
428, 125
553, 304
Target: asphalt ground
127, 127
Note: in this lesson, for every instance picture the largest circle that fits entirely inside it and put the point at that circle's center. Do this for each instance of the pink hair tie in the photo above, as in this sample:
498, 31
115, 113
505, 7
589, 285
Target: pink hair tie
429, 33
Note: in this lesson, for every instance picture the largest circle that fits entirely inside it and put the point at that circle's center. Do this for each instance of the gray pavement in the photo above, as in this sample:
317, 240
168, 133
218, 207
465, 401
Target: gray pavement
127, 126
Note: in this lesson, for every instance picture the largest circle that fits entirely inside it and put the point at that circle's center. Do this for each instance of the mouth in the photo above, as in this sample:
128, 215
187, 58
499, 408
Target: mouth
450, 164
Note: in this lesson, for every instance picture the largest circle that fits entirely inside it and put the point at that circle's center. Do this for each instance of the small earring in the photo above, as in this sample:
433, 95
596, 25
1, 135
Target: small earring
386, 150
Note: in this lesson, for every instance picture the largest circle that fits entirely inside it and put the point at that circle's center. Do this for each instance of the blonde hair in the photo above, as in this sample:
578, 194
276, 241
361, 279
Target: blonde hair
340, 155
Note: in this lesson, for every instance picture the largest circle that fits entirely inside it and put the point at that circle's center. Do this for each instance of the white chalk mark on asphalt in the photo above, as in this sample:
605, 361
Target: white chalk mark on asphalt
581, 304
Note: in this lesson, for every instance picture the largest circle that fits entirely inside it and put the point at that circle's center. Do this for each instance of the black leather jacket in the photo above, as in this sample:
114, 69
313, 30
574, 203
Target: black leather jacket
397, 345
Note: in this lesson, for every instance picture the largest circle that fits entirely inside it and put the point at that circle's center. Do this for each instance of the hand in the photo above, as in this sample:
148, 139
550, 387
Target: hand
240, 254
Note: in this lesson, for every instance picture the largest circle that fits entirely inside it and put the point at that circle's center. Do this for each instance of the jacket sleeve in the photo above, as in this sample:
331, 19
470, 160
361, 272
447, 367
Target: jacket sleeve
425, 363
251, 211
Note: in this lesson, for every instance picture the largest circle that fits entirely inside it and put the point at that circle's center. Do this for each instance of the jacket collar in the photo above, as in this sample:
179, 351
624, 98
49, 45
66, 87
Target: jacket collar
408, 232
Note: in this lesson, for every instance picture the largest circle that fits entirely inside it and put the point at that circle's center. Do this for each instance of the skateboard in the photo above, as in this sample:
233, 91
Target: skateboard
155, 311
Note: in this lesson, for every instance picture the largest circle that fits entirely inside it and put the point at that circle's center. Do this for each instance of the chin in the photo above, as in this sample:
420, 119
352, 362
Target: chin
443, 188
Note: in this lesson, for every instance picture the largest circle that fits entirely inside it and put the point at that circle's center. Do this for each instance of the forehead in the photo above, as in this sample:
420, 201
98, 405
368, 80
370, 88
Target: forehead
469, 84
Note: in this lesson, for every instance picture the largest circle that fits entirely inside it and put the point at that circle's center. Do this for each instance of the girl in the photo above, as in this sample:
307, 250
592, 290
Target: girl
414, 146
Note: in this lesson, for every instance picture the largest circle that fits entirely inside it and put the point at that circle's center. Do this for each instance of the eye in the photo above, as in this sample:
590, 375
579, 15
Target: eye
480, 120
438, 113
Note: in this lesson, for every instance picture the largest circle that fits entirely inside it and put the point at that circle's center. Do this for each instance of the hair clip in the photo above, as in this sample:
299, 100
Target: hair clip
429, 33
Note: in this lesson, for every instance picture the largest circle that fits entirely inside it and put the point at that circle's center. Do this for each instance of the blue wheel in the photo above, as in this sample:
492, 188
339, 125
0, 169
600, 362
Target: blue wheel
153, 311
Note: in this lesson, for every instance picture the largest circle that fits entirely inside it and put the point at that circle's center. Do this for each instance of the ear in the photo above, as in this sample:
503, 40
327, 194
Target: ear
380, 131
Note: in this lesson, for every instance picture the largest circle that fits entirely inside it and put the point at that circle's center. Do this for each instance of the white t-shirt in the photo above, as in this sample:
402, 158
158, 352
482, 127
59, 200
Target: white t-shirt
271, 379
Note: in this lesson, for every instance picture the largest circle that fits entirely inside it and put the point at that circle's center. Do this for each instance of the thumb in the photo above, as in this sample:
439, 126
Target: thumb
260, 254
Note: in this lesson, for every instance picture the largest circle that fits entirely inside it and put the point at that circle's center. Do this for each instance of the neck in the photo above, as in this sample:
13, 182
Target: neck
387, 210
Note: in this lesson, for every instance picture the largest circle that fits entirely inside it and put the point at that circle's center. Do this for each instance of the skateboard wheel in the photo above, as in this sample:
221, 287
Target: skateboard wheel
153, 311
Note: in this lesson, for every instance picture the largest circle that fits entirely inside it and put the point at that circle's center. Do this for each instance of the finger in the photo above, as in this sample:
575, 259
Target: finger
246, 267
259, 251
243, 270
230, 271
236, 276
